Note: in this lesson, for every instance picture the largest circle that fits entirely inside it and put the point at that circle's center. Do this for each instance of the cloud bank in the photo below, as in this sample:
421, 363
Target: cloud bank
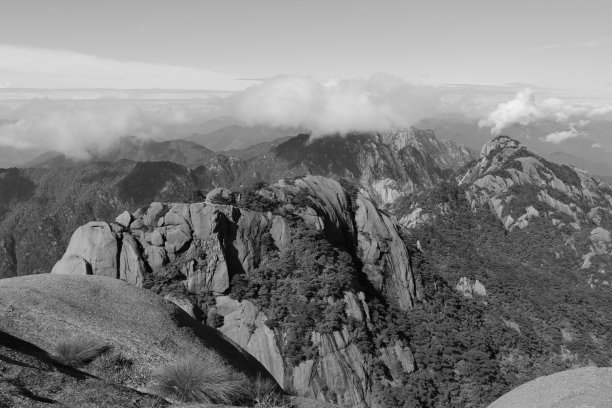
524, 110
338, 106
79, 128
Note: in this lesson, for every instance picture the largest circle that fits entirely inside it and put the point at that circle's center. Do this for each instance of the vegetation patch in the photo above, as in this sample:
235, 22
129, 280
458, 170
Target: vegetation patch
204, 378
78, 350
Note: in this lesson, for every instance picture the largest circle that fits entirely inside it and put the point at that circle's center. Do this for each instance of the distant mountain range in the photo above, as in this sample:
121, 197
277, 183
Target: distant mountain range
591, 150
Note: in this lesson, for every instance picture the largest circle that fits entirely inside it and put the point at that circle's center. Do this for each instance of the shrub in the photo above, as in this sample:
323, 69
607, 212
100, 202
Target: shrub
78, 350
202, 378
113, 366
265, 387
216, 320
268, 394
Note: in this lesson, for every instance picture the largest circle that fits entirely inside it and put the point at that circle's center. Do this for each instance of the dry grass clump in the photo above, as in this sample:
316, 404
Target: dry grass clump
78, 350
203, 378
267, 394
113, 366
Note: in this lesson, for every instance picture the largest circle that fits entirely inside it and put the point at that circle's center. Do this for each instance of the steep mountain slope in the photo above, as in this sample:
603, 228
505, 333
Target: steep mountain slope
40, 207
389, 164
302, 275
528, 242
147, 331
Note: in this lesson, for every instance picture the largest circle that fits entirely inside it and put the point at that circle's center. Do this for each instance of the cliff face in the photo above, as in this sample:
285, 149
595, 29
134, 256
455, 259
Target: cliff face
211, 257
389, 164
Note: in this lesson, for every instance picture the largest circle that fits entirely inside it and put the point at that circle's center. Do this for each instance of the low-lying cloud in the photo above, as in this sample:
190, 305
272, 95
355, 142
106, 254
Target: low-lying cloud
524, 110
79, 128
379, 103
560, 136
79, 123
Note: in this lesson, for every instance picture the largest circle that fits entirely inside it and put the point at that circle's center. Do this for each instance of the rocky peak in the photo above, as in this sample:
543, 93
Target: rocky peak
230, 245
388, 164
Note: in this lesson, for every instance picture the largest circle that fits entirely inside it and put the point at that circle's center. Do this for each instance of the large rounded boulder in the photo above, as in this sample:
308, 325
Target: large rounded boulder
146, 329
582, 387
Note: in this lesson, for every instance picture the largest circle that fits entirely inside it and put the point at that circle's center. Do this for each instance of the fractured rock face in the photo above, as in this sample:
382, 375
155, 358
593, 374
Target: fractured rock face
131, 266
245, 324
385, 257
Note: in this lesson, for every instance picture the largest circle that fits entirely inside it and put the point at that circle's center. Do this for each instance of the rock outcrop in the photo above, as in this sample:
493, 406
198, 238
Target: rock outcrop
388, 164
581, 387
506, 168
202, 246
148, 330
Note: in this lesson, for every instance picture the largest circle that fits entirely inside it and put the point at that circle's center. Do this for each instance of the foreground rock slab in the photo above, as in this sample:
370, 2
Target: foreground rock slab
583, 387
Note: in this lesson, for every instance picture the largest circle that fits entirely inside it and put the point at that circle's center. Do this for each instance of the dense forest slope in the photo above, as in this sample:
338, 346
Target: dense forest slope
528, 242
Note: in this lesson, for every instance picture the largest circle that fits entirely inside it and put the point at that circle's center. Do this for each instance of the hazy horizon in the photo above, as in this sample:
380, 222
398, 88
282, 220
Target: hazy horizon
76, 76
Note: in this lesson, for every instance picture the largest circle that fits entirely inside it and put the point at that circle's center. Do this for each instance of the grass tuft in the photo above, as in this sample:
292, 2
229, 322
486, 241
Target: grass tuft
203, 378
113, 366
78, 350
268, 394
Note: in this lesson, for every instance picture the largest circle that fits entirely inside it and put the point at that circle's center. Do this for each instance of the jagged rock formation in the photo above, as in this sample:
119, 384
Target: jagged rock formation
505, 166
41, 207
389, 164
523, 189
205, 245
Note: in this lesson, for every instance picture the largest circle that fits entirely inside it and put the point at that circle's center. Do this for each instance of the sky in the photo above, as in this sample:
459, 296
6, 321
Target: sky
76, 75
222, 44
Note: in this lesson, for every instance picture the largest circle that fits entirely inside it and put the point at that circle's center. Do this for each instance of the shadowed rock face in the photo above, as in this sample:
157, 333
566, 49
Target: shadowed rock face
209, 243
582, 387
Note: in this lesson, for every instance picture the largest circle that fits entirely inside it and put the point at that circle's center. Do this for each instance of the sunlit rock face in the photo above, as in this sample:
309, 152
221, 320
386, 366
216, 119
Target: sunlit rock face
520, 185
194, 251
387, 164
581, 387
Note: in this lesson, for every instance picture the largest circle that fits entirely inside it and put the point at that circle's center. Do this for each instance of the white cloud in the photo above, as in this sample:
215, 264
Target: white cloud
378, 103
558, 137
41, 68
524, 110
78, 128
597, 146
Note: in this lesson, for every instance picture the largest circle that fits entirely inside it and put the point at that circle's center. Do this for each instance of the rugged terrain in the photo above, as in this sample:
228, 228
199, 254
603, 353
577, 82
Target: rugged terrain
39, 311
263, 267
396, 272
41, 206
